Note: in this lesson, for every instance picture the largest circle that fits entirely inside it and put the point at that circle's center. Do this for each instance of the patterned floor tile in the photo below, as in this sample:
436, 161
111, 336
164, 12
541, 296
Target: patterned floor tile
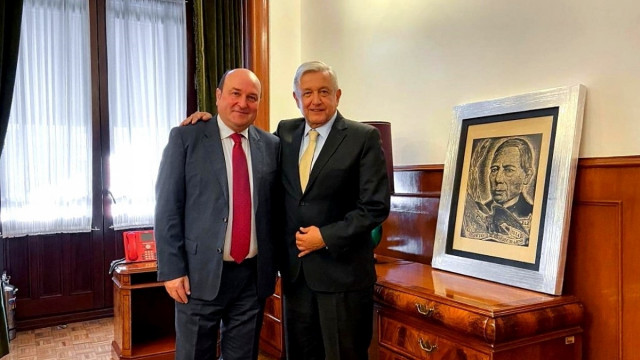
88, 340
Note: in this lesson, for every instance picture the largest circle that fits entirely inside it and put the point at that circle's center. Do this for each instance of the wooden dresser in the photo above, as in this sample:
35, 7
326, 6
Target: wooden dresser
423, 313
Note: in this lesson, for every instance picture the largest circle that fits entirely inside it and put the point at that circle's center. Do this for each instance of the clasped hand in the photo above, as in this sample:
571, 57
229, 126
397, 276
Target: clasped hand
309, 239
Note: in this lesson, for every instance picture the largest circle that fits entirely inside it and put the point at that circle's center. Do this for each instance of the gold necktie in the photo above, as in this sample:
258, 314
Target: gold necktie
307, 157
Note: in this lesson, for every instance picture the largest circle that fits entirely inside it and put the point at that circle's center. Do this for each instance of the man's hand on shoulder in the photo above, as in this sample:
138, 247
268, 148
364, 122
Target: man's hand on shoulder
195, 117
178, 289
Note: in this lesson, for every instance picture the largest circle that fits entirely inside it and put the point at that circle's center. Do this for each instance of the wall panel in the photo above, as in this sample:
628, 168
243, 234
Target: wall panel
593, 273
412, 219
49, 254
59, 278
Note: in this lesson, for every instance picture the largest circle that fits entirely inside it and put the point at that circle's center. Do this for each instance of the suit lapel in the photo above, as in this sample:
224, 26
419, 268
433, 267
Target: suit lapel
336, 136
214, 154
257, 162
293, 142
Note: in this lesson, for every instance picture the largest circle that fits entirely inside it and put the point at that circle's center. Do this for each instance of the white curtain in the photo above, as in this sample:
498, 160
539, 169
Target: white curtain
45, 168
146, 50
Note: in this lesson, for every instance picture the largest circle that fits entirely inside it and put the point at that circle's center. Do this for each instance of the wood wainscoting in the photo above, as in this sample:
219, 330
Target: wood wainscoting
62, 278
602, 264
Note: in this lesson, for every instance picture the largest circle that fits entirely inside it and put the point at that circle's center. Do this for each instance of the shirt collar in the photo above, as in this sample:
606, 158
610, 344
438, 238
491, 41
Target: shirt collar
323, 130
225, 131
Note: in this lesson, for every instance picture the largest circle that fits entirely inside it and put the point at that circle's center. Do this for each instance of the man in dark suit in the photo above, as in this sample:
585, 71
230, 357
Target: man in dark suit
328, 272
331, 205
215, 246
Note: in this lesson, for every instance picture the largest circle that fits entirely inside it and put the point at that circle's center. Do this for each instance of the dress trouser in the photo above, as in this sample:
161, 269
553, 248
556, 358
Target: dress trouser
327, 325
236, 312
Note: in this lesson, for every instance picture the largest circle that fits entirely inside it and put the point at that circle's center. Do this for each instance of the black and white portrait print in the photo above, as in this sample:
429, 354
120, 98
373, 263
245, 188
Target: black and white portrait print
501, 189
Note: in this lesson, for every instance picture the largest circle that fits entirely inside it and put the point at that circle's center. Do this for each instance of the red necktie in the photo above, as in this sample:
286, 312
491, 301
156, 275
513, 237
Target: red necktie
241, 227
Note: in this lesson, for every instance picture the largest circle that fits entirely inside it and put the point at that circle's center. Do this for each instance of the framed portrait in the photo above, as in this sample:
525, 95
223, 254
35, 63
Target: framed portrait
507, 188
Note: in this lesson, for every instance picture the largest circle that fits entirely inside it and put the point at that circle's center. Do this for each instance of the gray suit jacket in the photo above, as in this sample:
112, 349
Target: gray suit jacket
192, 207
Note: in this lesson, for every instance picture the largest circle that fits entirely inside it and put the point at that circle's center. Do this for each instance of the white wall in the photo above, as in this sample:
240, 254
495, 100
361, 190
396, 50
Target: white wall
411, 61
284, 58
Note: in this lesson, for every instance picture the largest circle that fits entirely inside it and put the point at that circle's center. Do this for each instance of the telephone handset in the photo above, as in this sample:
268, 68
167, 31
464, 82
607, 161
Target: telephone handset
139, 246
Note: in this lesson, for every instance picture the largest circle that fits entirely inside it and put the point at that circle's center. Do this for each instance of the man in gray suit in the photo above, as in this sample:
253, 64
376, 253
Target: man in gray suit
216, 261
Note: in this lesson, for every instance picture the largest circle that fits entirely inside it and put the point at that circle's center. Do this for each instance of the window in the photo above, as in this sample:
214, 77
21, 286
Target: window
46, 168
146, 50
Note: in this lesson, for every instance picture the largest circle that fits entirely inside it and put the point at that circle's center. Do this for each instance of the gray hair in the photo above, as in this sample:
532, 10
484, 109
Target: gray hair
314, 66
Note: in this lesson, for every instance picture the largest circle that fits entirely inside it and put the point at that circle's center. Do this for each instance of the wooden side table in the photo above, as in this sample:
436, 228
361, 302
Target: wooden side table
143, 314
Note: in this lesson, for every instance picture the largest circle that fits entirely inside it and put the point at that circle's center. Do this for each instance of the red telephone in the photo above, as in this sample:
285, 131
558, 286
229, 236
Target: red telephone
139, 246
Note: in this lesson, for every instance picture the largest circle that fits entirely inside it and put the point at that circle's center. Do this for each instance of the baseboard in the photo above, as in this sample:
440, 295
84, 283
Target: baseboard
63, 319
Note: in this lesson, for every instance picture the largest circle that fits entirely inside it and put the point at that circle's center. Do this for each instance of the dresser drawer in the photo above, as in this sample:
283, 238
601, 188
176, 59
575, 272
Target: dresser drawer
493, 327
384, 354
437, 313
419, 343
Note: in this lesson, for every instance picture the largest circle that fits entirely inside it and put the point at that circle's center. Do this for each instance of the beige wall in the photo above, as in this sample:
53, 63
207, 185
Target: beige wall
410, 62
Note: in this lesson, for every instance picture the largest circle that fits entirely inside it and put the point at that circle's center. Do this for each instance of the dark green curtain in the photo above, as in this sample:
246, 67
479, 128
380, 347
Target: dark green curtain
219, 43
10, 18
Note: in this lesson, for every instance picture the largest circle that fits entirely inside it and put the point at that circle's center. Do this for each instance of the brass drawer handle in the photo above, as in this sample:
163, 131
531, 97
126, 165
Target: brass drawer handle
422, 309
427, 347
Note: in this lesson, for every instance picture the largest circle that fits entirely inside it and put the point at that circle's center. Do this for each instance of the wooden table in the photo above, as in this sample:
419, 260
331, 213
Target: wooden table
422, 313
143, 314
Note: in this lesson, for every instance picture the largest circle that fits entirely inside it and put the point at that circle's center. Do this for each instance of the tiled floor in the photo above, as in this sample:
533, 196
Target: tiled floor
90, 340
83, 340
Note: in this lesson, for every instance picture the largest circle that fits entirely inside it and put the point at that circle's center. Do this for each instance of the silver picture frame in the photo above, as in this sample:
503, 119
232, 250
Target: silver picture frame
507, 189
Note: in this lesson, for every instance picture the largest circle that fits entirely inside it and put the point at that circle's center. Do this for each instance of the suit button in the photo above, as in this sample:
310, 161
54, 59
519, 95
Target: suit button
302, 203
225, 220
219, 251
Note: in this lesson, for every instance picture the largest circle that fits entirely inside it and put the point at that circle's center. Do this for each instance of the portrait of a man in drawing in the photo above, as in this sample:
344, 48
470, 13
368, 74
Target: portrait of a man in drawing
501, 188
